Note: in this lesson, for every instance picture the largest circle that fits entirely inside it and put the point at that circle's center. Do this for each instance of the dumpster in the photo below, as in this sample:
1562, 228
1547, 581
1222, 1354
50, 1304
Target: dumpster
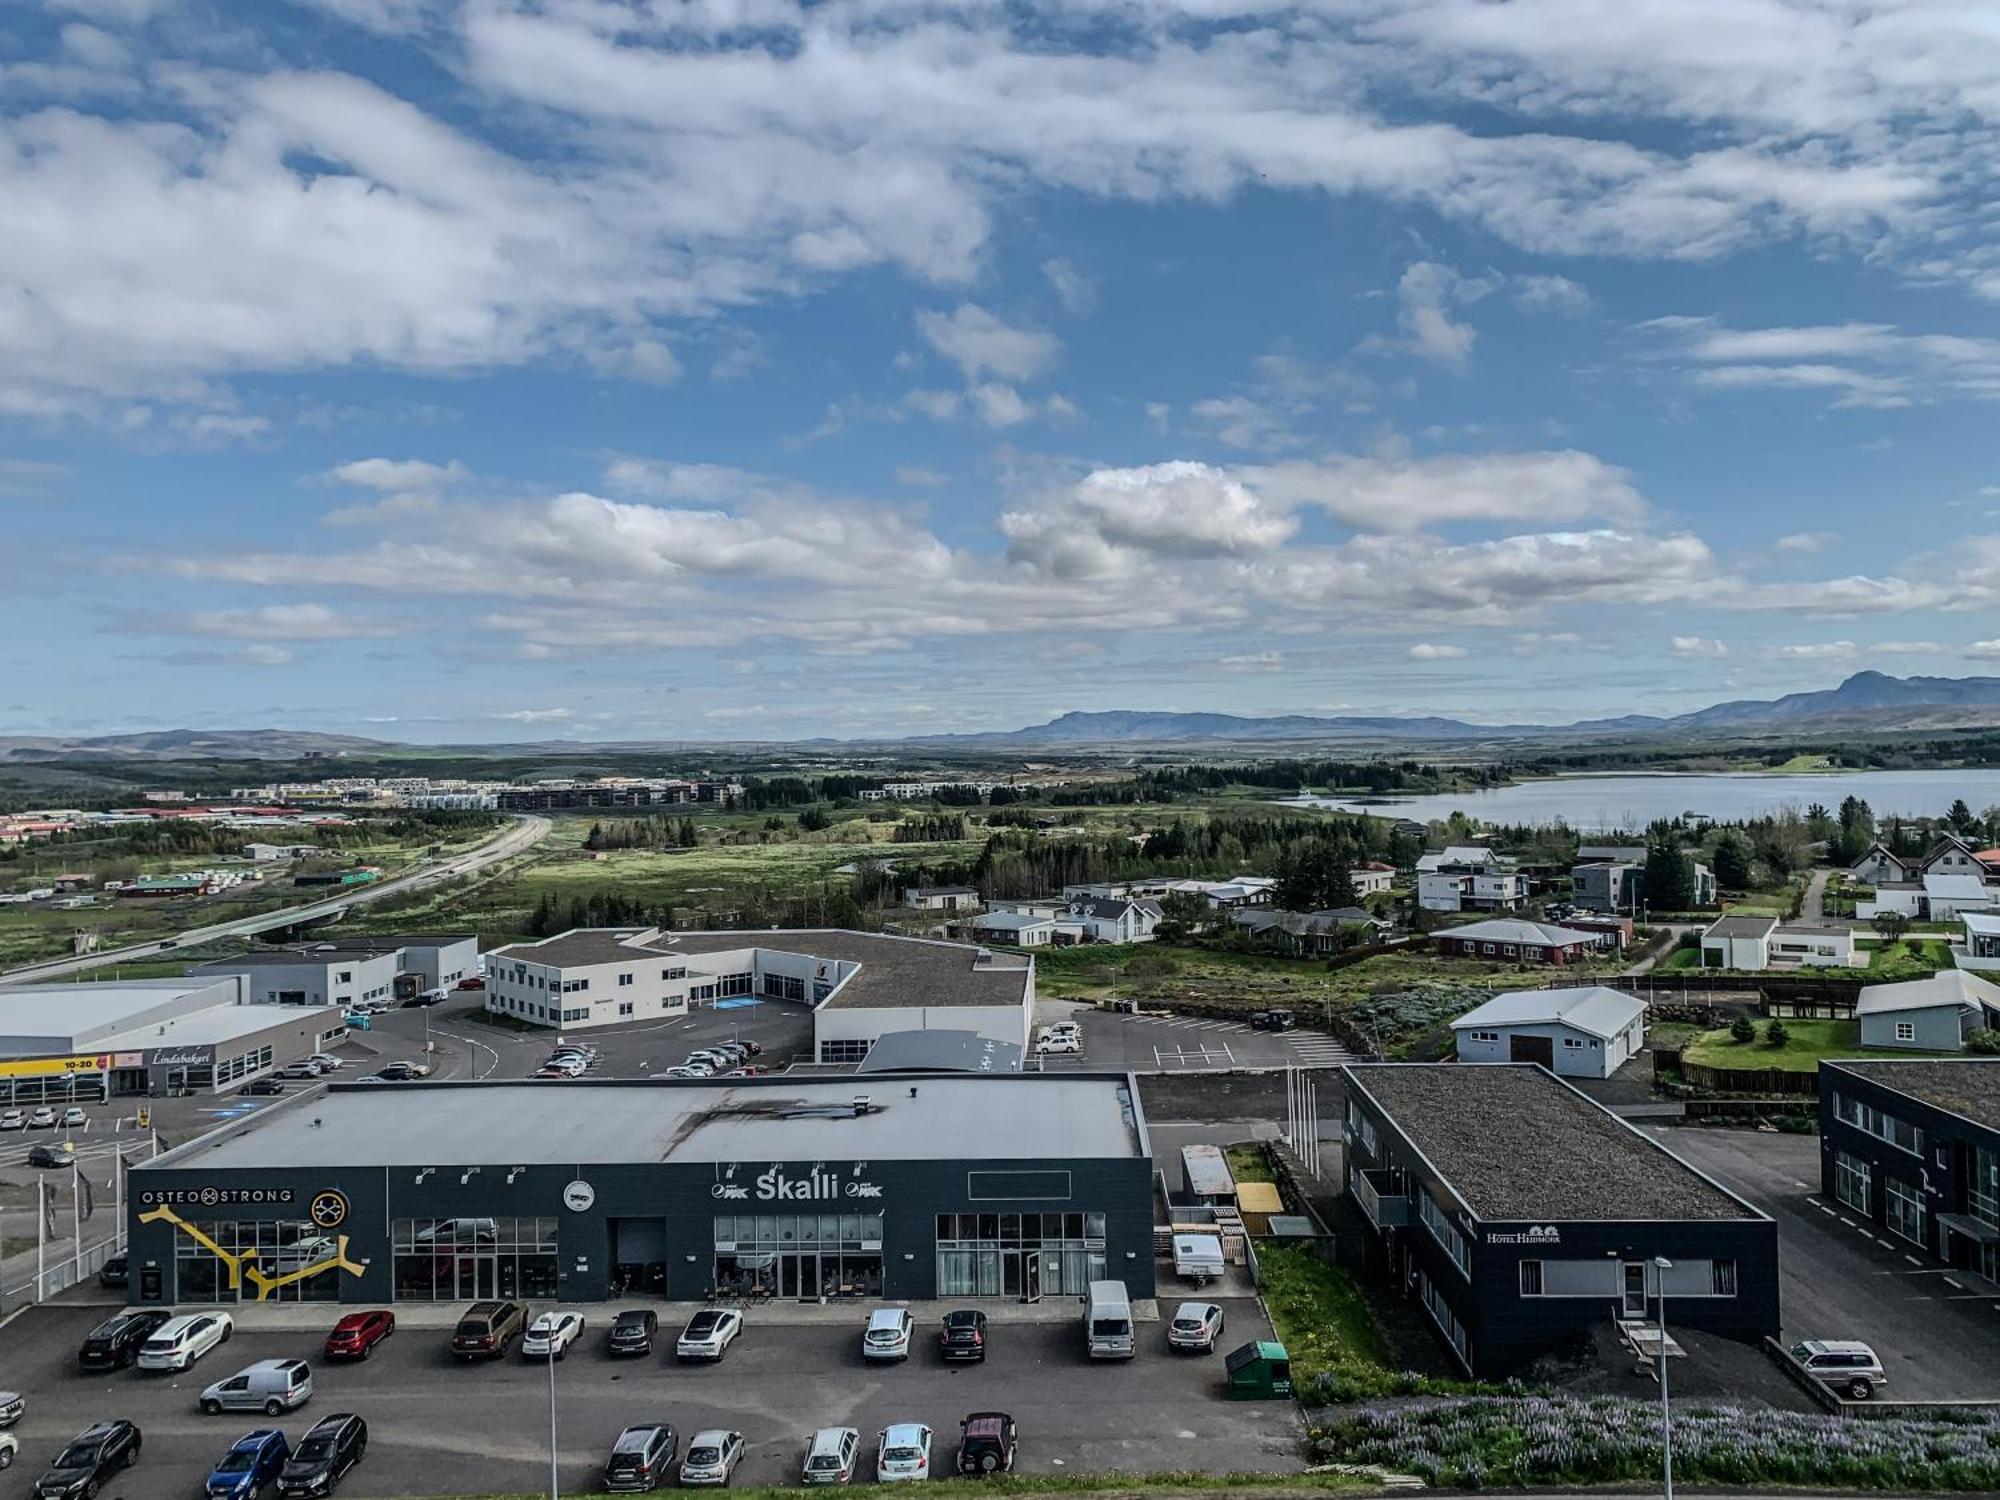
1258, 1372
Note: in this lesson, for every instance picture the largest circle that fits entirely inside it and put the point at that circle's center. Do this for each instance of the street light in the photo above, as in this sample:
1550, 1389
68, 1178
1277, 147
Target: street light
554, 1488
1661, 1266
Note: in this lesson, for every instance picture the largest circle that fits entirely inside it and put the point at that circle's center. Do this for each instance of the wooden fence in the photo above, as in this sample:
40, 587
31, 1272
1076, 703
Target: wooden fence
1768, 1081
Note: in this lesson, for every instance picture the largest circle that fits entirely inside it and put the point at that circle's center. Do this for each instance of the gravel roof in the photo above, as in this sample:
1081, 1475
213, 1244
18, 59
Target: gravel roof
1518, 1144
1969, 1087
586, 946
1742, 927
894, 971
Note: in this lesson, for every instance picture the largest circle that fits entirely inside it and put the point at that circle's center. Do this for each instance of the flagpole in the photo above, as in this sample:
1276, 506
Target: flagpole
41, 1233
76, 1218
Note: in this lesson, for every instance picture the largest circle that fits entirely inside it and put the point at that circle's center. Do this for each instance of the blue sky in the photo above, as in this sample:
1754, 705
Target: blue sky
500, 369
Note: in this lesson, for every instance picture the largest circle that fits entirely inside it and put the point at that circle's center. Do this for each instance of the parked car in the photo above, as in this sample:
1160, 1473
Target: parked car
712, 1457
632, 1331
115, 1343
1059, 1044
299, 1070
551, 1334
42, 1119
74, 1118
681, 1070
356, 1335
11, 1407
272, 1386
485, 1330
59, 1157
253, 1461
963, 1335
903, 1453
115, 1272
358, 1020
1272, 1020
14, 1119
708, 1334
9, 1446
269, 1085
1843, 1365
402, 1072
1195, 1327
331, 1447
986, 1443
471, 982
326, 1062
641, 1457
553, 1073
89, 1462
180, 1342
831, 1456
888, 1334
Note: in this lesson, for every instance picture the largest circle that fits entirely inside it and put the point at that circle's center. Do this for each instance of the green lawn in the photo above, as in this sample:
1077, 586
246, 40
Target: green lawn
1809, 1043
1320, 1315
1249, 1164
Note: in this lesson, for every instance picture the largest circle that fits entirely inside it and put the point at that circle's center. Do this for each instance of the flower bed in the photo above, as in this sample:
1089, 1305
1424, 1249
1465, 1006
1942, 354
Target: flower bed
1487, 1443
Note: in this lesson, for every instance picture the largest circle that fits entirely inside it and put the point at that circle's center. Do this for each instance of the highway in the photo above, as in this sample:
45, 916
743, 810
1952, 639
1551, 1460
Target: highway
522, 834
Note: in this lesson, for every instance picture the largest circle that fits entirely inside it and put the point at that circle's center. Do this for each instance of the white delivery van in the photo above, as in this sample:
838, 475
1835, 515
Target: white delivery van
1198, 1258
1107, 1321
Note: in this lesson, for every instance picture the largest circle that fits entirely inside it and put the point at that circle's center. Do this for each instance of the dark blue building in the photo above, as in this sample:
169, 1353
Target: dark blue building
1913, 1144
1518, 1213
1013, 1186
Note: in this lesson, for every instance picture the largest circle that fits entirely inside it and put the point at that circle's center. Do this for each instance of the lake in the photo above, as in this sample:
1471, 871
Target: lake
1630, 801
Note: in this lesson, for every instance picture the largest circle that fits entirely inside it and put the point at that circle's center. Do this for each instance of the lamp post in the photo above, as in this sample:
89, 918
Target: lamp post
1661, 1265
554, 1487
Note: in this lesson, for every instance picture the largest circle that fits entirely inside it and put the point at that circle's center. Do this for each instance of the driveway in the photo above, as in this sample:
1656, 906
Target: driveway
1181, 1044
1937, 1334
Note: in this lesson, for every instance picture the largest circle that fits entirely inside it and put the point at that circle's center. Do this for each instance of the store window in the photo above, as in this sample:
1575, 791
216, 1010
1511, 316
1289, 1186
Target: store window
1903, 1209
800, 1257
295, 1253
1019, 1254
462, 1260
844, 1049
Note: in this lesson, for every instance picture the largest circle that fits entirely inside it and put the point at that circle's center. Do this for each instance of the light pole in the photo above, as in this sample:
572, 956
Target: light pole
1661, 1265
554, 1488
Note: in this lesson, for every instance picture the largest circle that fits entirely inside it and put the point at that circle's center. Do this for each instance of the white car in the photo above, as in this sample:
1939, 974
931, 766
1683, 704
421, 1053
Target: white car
685, 1072
1060, 1044
903, 1453
14, 1119
830, 1457
73, 1117
708, 1333
177, 1343
712, 1456
888, 1334
1195, 1327
42, 1119
328, 1063
550, 1335
9, 1446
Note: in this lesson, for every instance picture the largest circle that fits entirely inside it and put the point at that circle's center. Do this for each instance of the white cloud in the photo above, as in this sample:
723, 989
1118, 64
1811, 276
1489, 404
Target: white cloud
1076, 291
537, 715
1424, 297
731, 713
1806, 541
1113, 516
1556, 294
981, 344
1243, 422
1983, 650
274, 622
912, 477
1865, 364
1253, 661
1697, 647
396, 474
1431, 651
1410, 494
267, 656
1819, 651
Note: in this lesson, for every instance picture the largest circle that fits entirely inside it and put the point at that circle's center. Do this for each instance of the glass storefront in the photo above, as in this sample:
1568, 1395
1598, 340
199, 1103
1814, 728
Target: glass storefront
798, 1256
1026, 1255
465, 1260
295, 1254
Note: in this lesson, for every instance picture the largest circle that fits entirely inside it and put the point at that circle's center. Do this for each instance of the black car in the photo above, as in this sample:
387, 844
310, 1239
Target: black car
963, 1335
632, 1331
987, 1443
1272, 1020
265, 1086
642, 1457
331, 1447
48, 1156
114, 1272
93, 1456
114, 1344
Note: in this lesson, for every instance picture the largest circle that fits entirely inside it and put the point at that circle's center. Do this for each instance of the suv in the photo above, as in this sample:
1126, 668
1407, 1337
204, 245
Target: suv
252, 1462
486, 1329
331, 1447
831, 1458
887, 1335
1842, 1365
92, 1457
963, 1335
986, 1443
632, 1331
1271, 1020
641, 1457
115, 1343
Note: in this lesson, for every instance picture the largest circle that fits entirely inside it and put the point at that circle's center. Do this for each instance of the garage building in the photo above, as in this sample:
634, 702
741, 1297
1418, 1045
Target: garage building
1587, 1031
1518, 1213
764, 1186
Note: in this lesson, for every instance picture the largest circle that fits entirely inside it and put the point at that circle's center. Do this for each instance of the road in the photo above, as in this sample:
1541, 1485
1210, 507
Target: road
524, 833
1812, 906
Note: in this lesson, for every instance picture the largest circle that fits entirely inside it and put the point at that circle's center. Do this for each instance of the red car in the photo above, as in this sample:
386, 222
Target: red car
356, 1335
473, 983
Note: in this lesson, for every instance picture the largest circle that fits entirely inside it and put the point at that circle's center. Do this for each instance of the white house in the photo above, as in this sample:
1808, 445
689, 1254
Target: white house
1458, 857
941, 897
1738, 943
1981, 949
1947, 896
1497, 890
1373, 878
1014, 929
1584, 1032
1115, 919
1440, 890
1805, 945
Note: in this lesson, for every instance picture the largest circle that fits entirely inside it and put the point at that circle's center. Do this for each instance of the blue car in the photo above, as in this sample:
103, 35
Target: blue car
246, 1468
357, 1021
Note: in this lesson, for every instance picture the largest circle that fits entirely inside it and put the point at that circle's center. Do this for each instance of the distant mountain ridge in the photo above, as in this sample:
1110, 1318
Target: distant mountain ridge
1866, 700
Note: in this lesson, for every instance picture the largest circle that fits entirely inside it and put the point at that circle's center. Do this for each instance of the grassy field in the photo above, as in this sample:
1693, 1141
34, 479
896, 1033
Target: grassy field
1889, 962
1808, 1044
1249, 1164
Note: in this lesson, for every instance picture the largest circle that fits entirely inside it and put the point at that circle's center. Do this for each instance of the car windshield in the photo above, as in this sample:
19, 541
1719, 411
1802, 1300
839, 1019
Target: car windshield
237, 1460
1187, 1322
633, 1440
78, 1456
313, 1449
707, 1453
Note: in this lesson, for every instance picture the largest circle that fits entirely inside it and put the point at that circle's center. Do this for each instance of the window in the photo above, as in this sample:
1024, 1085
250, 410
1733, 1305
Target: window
625, 979
345, 976
844, 1050
1906, 1031
1444, 1231
1486, 1036
1573, 1042
677, 973
1361, 1129
1446, 1319
1903, 1210
624, 1007
1850, 1181
1531, 1278
985, 1255
1864, 1116
1722, 1278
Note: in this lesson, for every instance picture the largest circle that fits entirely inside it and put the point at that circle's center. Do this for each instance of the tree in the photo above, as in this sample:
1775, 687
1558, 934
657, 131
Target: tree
1313, 875
815, 819
1669, 871
1733, 861
1960, 816
1183, 915
1892, 925
1776, 1035
1742, 1031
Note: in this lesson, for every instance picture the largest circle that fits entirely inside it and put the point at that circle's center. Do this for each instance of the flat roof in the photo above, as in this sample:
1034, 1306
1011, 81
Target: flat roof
586, 946
1965, 1086
35, 1019
216, 1025
1742, 927
941, 1052
291, 958
1517, 1143
1014, 1117
894, 971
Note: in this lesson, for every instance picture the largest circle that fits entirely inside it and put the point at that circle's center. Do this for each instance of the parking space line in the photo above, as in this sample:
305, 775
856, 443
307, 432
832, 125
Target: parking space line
1952, 1284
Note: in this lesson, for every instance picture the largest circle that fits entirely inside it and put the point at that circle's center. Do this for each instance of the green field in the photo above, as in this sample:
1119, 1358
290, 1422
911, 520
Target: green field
1808, 1044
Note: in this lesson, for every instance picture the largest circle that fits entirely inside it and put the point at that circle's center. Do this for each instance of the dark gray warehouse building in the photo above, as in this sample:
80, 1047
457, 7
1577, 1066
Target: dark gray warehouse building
1519, 1213
1010, 1186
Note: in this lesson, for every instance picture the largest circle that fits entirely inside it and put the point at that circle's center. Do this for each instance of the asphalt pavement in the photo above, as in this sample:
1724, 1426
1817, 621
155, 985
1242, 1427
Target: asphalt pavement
1179, 1044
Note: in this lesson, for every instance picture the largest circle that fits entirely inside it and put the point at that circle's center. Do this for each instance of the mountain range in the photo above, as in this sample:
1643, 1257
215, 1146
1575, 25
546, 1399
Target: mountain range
1865, 701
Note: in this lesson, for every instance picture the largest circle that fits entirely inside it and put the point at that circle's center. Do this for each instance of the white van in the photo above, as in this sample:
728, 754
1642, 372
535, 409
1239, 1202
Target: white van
1107, 1321
272, 1386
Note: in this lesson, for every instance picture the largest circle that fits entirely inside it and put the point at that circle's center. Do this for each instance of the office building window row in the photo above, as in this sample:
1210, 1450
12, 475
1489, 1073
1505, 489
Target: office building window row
1444, 1317
1903, 1210
1851, 1180
1444, 1231
1865, 1116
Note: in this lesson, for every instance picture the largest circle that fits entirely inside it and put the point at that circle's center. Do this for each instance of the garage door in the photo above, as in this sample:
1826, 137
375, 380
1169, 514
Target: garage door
1535, 1049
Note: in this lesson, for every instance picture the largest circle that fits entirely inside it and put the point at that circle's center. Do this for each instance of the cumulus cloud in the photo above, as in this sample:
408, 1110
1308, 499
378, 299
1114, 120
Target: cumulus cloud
1807, 542
1178, 509
1556, 294
1076, 291
1697, 647
981, 344
393, 474
1425, 297
1411, 494
1431, 651
1818, 651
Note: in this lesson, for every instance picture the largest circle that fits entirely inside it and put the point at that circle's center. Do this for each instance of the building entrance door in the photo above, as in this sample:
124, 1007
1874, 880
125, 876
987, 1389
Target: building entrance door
1635, 1289
478, 1278
1031, 1276
1534, 1049
798, 1276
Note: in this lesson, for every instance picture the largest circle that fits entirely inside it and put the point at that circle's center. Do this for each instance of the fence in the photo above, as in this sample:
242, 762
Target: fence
1779, 1081
62, 1274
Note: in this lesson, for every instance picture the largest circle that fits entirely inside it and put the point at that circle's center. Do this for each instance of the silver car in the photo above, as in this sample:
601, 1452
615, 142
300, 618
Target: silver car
1195, 1327
712, 1457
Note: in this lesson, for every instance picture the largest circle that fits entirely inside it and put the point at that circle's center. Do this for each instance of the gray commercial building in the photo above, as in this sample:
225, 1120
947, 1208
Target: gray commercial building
1004, 1187
353, 971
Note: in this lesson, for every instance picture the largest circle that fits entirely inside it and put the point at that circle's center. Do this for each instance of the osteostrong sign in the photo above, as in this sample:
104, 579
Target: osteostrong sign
779, 1184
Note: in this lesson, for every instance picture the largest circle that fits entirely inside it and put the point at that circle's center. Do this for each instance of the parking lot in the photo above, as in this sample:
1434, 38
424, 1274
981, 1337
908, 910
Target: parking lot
1180, 1044
1936, 1332
436, 1427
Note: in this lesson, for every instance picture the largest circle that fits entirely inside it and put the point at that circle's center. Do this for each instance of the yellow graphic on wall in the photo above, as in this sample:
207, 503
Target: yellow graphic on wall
242, 1266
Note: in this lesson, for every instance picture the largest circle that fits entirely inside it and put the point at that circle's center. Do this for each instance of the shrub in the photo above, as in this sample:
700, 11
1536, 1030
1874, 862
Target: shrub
1743, 1031
1985, 1041
1776, 1034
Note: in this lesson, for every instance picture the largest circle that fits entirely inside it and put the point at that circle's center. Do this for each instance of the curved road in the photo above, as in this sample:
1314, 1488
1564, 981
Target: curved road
525, 832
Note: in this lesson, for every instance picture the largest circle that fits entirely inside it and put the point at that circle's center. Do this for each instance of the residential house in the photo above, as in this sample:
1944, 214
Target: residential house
1981, 948
1948, 855
1610, 886
1443, 890
1458, 857
1758, 942
1586, 1031
1013, 929
1927, 1015
1814, 945
941, 897
1115, 919
1373, 878
1510, 939
1937, 898
1316, 932
1611, 854
1880, 867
